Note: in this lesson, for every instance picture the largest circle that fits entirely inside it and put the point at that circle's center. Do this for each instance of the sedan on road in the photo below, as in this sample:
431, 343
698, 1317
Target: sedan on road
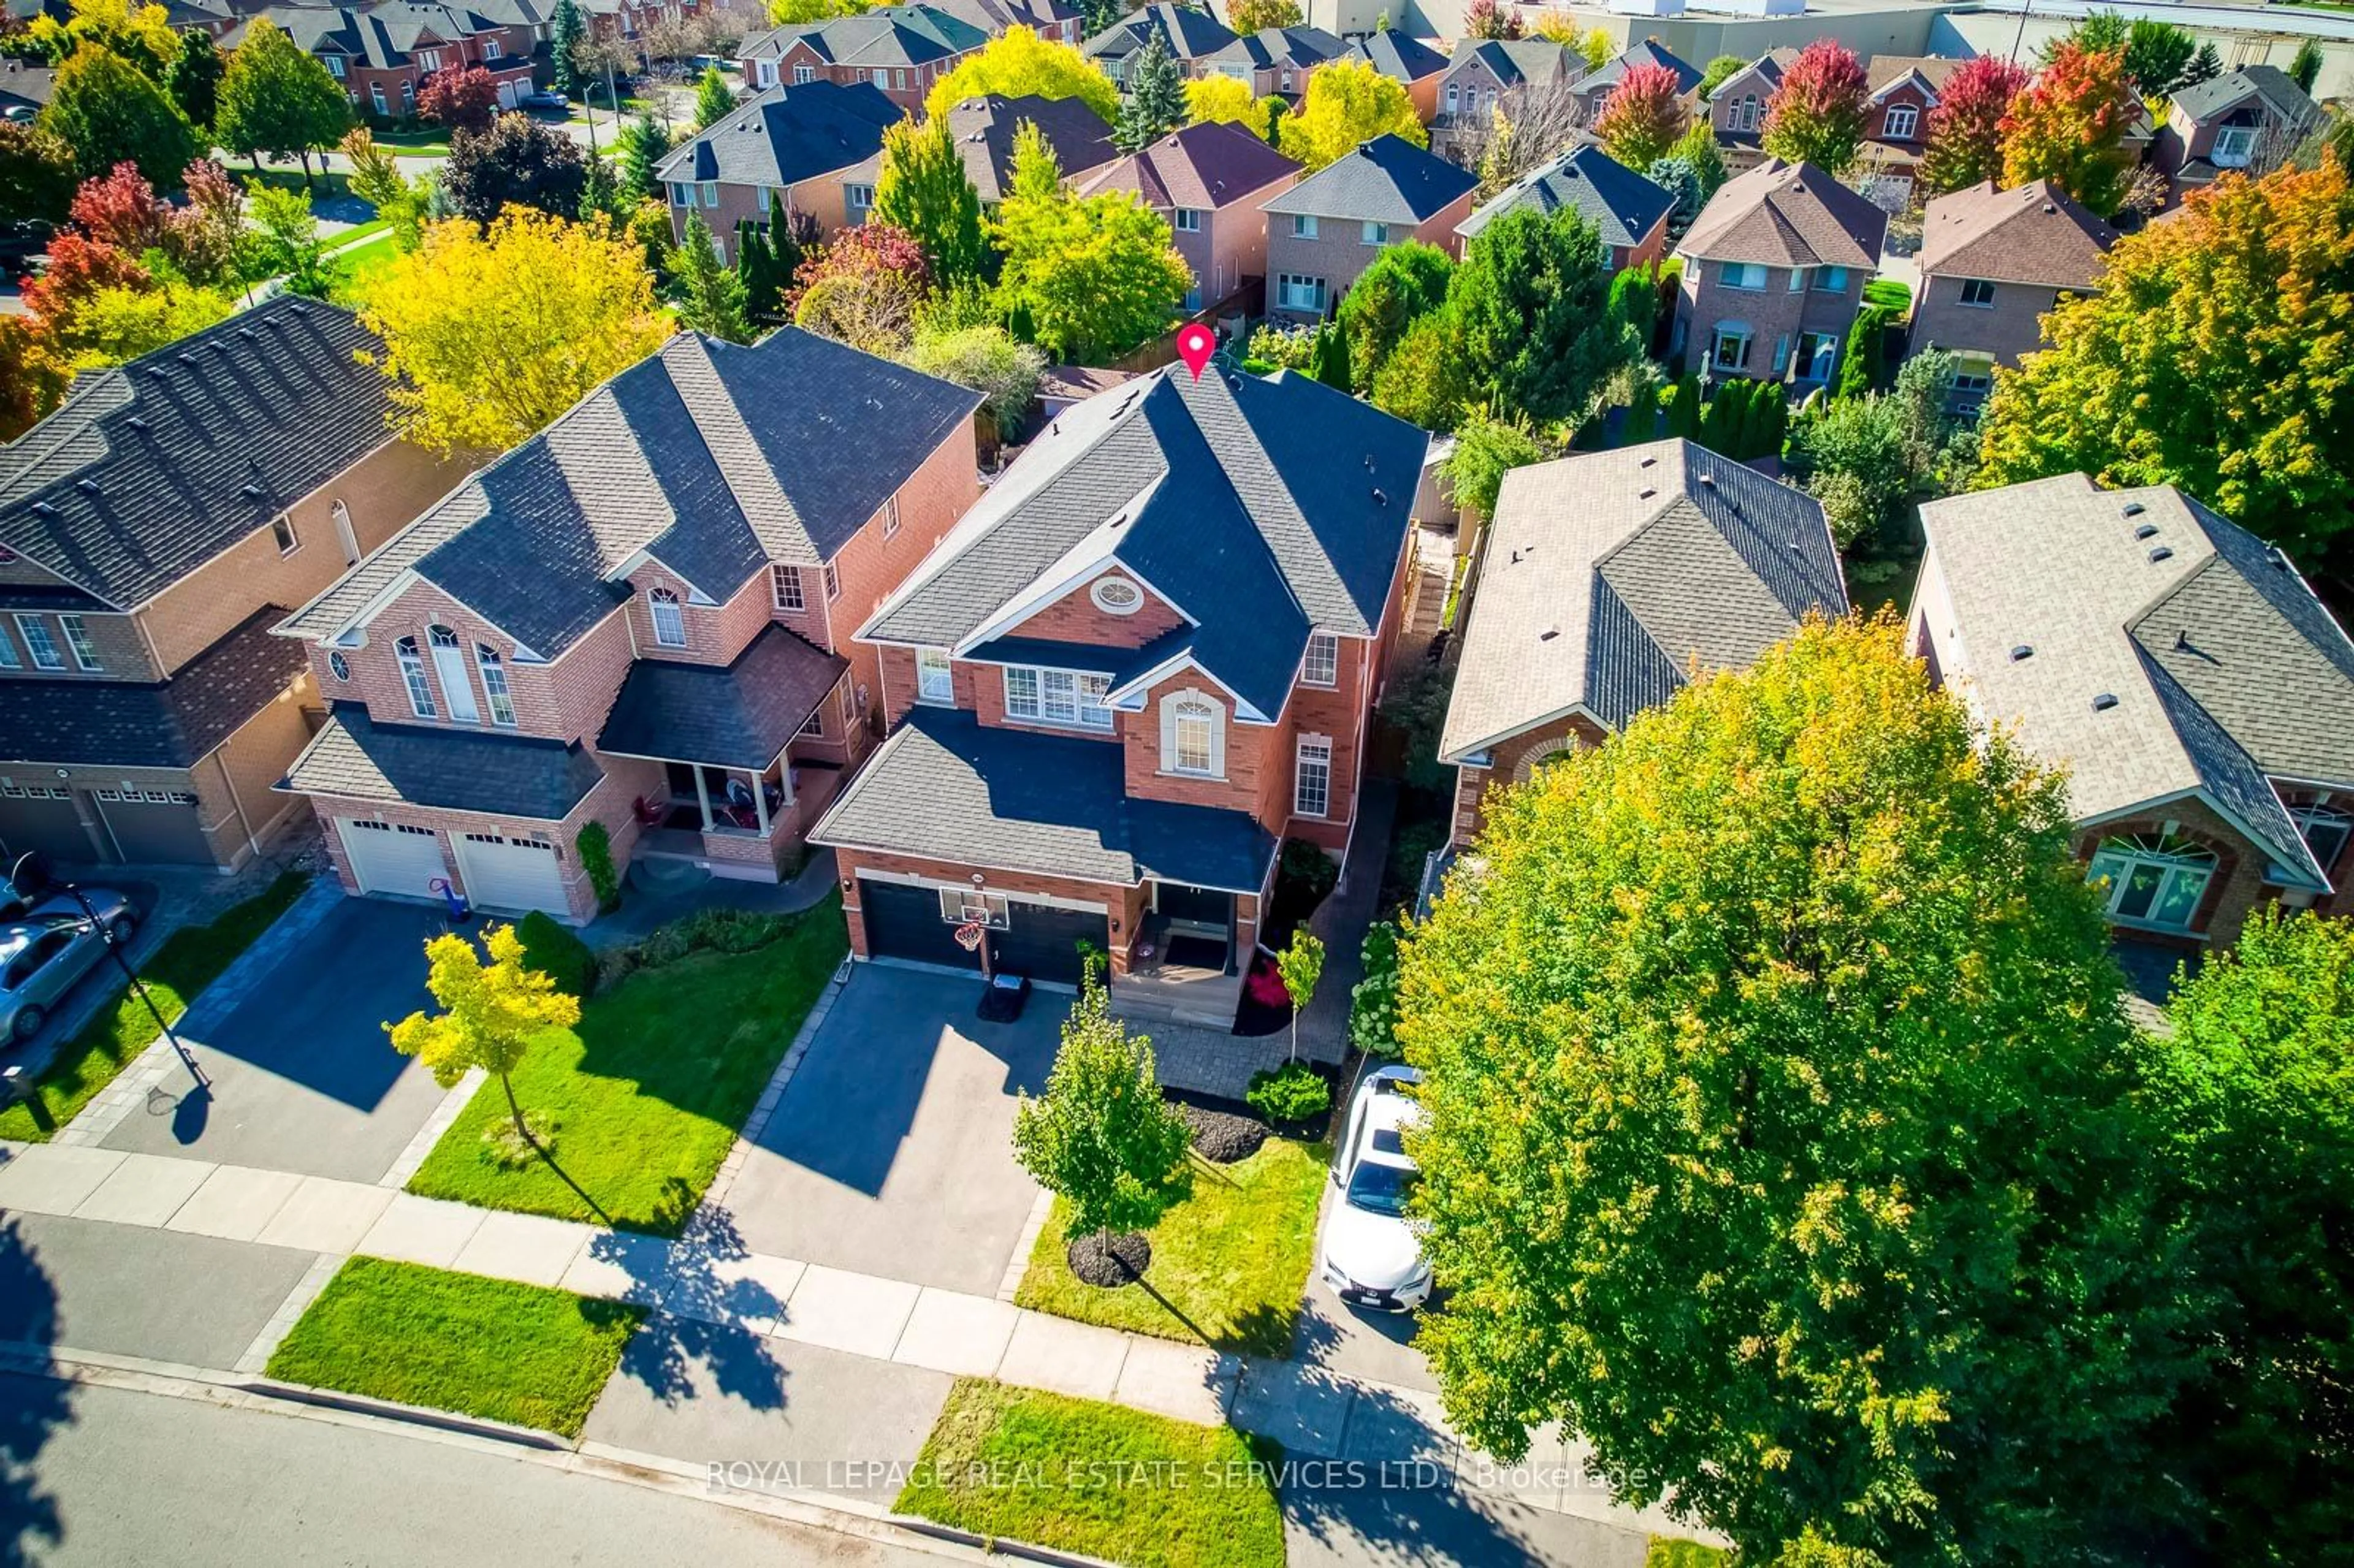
48, 948
1372, 1256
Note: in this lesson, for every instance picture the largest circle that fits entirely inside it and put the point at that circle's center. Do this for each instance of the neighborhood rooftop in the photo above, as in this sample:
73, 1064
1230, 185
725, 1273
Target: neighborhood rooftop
1787, 215
149, 724
1203, 167
2034, 234
1622, 204
1385, 180
895, 36
787, 134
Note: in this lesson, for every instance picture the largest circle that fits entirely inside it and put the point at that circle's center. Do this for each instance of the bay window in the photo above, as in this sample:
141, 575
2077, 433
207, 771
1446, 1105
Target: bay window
2152, 879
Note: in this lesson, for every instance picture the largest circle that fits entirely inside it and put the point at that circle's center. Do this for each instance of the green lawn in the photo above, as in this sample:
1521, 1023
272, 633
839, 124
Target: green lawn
1100, 1479
1674, 1552
1228, 1264
361, 265
427, 139
647, 1093
519, 1353
352, 237
1888, 291
184, 964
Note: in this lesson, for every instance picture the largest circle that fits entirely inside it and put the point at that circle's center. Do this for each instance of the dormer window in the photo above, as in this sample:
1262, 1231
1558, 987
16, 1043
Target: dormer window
1192, 736
669, 619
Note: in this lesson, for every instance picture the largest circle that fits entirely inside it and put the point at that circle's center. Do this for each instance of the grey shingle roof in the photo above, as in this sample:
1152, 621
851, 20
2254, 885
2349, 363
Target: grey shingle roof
2224, 666
1187, 31
1608, 576
1273, 47
946, 787
1622, 204
892, 36
1385, 180
353, 757
984, 129
2281, 95
787, 134
165, 724
1400, 58
1650, 52
1521, 62
1203, 167
150, 470
2034, 234
1258, 507
1787, 215
741, 716
713, 458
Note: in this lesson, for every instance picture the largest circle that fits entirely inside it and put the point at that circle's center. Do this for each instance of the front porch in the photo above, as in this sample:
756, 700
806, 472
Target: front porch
1188, 960
734, 821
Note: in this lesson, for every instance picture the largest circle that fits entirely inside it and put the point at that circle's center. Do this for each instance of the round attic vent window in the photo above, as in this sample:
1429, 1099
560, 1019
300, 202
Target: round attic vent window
340, 665
1118, 596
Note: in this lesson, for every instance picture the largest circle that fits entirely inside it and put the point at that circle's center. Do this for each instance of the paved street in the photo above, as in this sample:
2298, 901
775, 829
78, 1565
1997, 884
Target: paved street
105, 1476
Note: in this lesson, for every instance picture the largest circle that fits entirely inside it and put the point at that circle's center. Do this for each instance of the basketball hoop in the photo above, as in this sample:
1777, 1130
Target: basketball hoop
968, 935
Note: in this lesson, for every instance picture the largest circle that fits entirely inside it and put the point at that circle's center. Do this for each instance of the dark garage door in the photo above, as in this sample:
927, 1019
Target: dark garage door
38, 819
159, 828
1041, 941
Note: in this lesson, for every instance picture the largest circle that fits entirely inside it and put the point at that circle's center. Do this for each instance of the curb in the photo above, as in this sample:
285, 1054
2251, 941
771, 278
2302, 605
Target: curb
411, 1414
994, 1545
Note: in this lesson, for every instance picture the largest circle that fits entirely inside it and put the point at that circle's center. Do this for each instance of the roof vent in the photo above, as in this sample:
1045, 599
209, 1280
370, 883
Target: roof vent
1646, 493
2278, 558
1549, 634
135, 422
2146, 531
1647, 462
43, 509
2162, 553
245, 333
2105, 701
2020, 651
1379, 499
87, 487
2135, 509
185, 357
252, 490
1708, 480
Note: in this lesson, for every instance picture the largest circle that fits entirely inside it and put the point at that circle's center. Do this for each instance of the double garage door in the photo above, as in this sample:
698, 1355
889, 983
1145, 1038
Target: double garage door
143, 827
1040, 940
498, 871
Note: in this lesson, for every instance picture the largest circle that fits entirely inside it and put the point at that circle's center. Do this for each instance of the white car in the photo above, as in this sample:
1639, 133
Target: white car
1372, 1256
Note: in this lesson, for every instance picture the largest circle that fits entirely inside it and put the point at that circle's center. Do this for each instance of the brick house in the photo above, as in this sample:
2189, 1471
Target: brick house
1628, 211
1190, 35
803, 146
1274, 61
1149, 655
899, 50
1057, 21
1212, 183
381, 55
984, 129
2248, 119
1326, 230
1487, 73
639, 618
1774, 272
1992, 263
151, 531
1408, 61
2198, 694
1903, 89
632, 18
1603, 580
1737, 110
1596, 88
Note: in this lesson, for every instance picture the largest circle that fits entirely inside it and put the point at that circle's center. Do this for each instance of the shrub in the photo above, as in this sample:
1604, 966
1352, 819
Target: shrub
1306, 872
705, 931
556, 951
1372, 1003
1293, 1092
595, 847
1287, 348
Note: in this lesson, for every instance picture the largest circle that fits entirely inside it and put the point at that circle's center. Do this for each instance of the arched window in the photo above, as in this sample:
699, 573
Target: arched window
450, 666
1192, 736
2325, 831
2153, 879
494, 683
412, 674
670, 621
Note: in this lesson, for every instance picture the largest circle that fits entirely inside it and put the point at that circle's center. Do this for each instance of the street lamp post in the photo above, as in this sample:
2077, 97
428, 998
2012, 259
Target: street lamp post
41, 883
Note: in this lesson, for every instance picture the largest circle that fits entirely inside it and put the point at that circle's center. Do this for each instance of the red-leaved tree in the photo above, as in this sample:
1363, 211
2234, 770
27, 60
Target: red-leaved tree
2068, 127
1817, 116
463, 99
1487, 19
78, 267
1965, 128
122, 210
869, 248
1643, 116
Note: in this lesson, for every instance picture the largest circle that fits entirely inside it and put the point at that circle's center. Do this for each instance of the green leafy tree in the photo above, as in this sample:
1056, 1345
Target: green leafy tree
2250, 1098
2098, 31
1331, 362
1817, 116
2068, 127
1698, 148
1424, 381
1644, 116
107, 113
37, 170
1101, 1138
1348, 103
2195, 364
287, 241
710, 295
1257, 16
115, 324
276, 98
1156, 99
1642, 422
1405, 281
989, 360
1373, 1000
1299, 965
1019, 64
141, 34
2304, 67
1531, 300
643, 144
1096, 275
1213, 100
1864, 457
1487, 446
713, 100
924, 188
194, 77
491, 1014
1776, 1138
2156, 54
565, 28
1717, 72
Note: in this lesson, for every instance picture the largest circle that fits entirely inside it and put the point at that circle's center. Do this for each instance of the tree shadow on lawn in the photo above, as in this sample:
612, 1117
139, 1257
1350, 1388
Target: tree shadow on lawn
703, 1339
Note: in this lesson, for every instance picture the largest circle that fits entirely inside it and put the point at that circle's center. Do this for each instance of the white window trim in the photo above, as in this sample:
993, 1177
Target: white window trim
934, 677
1724, 272
1901, 122
1329, 643
1191, 701
1312, 758
781, 577
1185, 219
38, 642
411, 657
833, 582
1303, 226
498, 694
1046, 677
85, 651
656, 599
1968, 304
9, 658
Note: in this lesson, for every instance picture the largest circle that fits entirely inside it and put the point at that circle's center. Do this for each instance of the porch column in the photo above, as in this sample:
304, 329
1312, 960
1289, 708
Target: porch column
784, 766
761, 801
702, 795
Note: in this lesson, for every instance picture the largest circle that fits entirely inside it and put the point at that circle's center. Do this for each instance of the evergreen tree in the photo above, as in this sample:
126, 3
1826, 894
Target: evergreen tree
1770, 411
1531, 303
1860, 368
1642, 421
764, 283
2205, 66
924, 189
710, 294
791, 234
1684, 409
1330, 363
2305, 66
643, 145
565, 31
713, 100
194, 77
1156, 99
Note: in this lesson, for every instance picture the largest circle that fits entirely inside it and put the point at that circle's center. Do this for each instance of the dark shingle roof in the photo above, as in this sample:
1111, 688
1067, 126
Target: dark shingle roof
1261, 508
1273, 47
153, 468
1398, 57
1622, 204
163, 724
894, 36
710, 457
2280, 95
355, 758
1188, 33
1385, 180
1203, 167
738, 717
944, 787
984, 129
1521, 62
1787, 215
787, 134
1650, 52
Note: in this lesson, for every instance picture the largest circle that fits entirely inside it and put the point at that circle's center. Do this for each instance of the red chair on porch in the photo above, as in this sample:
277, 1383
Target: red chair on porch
649, 815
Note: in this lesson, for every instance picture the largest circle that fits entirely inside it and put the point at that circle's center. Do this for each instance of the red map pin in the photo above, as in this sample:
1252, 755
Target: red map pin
1195, 344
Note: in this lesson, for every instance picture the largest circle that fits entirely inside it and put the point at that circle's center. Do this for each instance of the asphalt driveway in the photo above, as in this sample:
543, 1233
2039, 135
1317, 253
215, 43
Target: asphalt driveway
302, 1076
891, 1151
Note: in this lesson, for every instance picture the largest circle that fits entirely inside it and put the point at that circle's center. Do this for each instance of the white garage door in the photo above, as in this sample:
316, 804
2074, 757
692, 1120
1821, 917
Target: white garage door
508, 93
505, 872
393, 859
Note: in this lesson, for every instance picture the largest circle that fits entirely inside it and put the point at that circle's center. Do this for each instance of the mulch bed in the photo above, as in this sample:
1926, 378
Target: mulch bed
1119, 1261
1221, 1136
